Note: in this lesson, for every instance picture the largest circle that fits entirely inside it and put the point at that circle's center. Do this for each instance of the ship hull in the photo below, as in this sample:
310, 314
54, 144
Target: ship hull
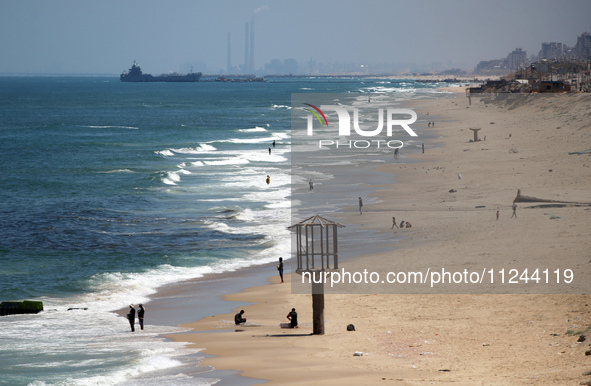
135, 74
162, 78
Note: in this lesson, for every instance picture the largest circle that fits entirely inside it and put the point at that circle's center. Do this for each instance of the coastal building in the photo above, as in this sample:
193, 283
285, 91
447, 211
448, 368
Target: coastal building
552, 50
583, 46
516, 59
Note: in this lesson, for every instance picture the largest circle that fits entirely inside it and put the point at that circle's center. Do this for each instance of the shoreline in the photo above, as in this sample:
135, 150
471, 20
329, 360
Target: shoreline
474, 332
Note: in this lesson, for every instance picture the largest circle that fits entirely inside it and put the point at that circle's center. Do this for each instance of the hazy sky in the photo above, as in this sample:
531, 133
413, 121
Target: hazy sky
106, 36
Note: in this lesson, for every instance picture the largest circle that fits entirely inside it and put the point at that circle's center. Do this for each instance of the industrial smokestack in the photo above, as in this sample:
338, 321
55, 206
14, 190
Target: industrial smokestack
229, 69
246, 50
251, 56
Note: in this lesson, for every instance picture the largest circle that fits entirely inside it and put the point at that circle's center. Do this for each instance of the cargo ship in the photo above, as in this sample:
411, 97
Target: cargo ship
135, 74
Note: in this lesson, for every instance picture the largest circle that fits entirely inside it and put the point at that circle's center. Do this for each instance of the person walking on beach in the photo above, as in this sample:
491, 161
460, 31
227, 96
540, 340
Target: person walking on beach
396, 153
280, 268
311, 183
497, 215
273, 143
293, 318
394, 223
360, 205
238, 319
131, 317
140, 316
423, 147
269, 150
268, 179
514, 211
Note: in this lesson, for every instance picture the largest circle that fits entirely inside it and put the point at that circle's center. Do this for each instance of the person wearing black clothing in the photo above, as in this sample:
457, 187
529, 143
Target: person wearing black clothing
238, 319
293, 318
140, 316
131, 317
280, 268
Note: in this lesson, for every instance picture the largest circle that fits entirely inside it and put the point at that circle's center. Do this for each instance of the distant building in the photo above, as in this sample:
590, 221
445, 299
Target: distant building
583, 46
490, 67
516, 59
552, 51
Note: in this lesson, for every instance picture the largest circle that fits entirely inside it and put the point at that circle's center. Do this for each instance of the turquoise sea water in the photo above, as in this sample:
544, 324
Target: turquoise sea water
110, 190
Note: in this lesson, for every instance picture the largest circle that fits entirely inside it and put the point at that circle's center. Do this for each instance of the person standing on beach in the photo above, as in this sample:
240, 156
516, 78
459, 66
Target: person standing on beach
514, 211
131, 317
238, 319
360, 205
311, 183
423, 147
394, 223
140, 316
269, 150
497, 215
268, 179
293, 318
280, 268
273, 143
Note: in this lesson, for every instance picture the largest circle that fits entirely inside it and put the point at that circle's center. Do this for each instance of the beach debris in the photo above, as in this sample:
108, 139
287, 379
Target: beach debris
452, 190
580, 152
588, 352
588, 372
445, 370
350, 327
358, 354
480, 206
459, 176
582, 338
513, 150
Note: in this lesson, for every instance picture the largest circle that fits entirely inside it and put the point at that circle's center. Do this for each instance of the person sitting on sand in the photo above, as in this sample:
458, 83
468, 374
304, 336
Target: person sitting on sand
408, 225
293, 318
402, 224
238, 319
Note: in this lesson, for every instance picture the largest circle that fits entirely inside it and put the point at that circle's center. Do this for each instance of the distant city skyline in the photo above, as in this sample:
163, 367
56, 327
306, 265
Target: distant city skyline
79, 37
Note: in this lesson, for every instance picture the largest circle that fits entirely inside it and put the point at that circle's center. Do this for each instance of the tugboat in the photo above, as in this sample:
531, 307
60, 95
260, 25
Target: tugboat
135, 74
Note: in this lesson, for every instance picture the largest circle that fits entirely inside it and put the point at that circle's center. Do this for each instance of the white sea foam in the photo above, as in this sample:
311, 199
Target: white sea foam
253, 130
227, 161
207, 147
166, 153
186, 150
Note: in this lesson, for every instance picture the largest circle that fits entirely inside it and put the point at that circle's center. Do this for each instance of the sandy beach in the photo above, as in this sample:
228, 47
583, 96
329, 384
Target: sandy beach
488, 333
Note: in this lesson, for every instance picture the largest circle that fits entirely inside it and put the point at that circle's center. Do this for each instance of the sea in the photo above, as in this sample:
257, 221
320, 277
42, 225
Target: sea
111, 190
